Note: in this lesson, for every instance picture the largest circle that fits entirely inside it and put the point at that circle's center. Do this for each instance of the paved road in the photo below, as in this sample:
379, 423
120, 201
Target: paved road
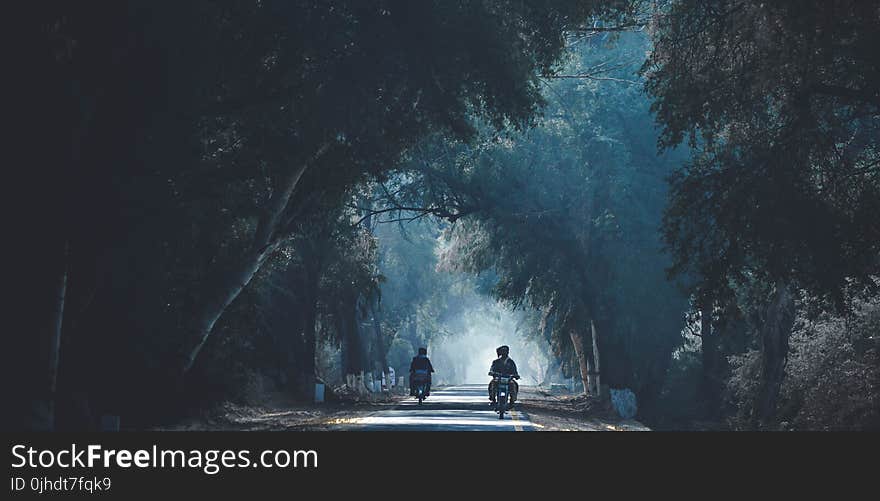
456, 408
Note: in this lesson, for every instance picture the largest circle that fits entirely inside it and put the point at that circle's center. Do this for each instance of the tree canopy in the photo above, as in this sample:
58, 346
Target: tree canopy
780, 100
222, 199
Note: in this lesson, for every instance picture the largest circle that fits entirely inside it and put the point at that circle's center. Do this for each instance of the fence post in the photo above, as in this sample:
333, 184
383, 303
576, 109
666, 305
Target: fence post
109, 423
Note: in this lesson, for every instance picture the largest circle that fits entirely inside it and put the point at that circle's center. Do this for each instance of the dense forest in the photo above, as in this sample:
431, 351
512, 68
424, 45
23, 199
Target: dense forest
218, 200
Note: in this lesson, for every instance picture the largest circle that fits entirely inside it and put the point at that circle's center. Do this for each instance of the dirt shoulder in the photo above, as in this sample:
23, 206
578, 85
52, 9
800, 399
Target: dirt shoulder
281, 413
569, 412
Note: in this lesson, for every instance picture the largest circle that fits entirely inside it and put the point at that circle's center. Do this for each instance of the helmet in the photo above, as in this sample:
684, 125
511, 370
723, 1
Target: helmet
502, 351
423, 351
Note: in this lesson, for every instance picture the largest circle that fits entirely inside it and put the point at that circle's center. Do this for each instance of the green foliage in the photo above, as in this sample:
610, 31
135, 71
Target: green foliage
830, 378
679, 400
780, 99
420, 303
565, 216
833, 372
177, 128
311, 289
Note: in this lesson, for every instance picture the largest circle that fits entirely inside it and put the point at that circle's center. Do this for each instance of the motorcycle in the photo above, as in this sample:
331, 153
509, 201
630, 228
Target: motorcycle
420, 381
502, 393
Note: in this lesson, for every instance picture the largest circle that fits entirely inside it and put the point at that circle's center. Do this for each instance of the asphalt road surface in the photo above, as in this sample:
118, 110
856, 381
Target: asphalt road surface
455, 408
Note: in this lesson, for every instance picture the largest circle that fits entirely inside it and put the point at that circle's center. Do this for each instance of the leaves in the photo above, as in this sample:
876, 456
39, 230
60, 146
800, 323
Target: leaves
784, 169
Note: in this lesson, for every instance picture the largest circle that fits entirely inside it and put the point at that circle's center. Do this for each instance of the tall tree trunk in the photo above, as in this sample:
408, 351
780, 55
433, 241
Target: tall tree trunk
307, 370
58, 320
265, 242
381, 354
312, 254
224, 294
43, 402
591, 375
775, 336
353, 349
553, 368
597, 368
272, 217
710, 384
578, 343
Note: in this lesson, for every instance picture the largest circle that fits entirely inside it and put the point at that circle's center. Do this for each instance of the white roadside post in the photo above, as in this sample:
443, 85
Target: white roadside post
109, 422
319, 393
361, 384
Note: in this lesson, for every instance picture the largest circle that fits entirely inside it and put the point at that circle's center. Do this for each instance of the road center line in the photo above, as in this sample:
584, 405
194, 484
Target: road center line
516, 421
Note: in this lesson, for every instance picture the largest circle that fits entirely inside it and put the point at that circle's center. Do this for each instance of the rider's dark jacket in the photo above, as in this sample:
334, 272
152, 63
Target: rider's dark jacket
506, 366
421, 362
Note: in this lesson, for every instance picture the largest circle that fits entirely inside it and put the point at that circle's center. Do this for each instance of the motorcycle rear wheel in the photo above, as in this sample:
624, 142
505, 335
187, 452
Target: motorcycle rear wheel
502, 407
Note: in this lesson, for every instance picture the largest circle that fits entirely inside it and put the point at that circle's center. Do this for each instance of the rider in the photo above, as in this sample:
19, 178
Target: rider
422, 364
504, 366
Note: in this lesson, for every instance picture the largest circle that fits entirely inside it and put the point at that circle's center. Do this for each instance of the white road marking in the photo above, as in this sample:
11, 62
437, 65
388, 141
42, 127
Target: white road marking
516, 425
463, 407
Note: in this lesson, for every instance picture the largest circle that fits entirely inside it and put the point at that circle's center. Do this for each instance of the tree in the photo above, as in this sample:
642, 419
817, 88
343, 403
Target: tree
779, 100
566, 217
203, 133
